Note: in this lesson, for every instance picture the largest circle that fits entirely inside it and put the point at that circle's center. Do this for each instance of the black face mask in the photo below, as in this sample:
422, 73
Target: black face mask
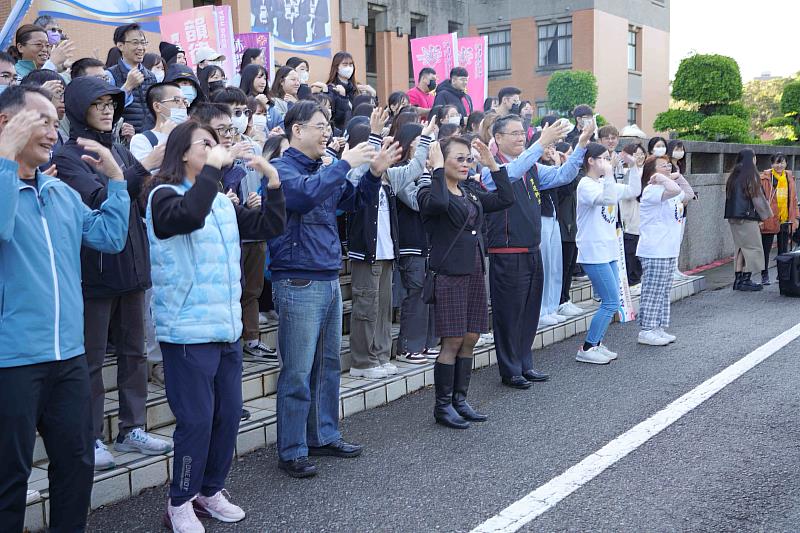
216, 85
515, 109
432, 85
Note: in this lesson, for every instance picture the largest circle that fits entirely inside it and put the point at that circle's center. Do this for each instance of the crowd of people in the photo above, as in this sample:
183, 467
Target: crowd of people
165, 213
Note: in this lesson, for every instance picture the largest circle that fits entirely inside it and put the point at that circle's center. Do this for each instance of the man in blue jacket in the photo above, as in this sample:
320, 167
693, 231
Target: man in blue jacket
44, 379
305, 263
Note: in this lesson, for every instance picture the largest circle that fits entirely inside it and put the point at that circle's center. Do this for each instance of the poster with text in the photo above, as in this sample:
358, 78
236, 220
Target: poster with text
200, 27
472, 55
263, 41
108, 12
302, 27
439, 52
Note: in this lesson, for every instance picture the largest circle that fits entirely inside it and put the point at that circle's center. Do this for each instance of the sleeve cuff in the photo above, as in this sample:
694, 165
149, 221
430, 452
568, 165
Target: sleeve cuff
115, 186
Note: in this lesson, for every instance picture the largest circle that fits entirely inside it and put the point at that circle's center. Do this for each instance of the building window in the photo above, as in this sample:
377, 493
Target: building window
370, 45
453, 27
633, 37
416, 30
499, 52
633, 114
542, 109
555, 45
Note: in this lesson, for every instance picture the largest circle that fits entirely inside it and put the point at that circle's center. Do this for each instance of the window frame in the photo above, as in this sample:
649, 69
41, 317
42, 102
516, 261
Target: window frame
544, 44
633, 48
506, 45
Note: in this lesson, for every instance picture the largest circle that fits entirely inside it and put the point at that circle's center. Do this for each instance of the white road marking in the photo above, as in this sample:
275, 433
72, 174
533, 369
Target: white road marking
548, 495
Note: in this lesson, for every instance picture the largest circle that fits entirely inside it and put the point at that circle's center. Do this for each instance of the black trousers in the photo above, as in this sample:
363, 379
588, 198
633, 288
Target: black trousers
784, 238
53, 398
569, 258
632, 264
516, 282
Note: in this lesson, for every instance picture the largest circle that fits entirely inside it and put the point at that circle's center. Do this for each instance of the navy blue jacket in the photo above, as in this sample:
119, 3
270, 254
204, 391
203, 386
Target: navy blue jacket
362, 229
136, 113
310, 248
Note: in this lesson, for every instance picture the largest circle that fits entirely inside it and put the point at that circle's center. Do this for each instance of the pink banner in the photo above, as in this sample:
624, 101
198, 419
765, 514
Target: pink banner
201, 27
472, 55
438, 52
264, 41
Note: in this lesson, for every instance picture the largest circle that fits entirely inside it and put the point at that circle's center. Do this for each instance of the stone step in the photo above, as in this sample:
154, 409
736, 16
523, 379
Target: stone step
135, 472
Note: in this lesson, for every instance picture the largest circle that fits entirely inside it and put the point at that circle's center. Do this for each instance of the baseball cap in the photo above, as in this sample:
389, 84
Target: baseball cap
207, 54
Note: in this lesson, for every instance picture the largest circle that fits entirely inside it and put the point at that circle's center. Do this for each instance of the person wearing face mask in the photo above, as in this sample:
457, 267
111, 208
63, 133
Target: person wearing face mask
212, 79
677, 156
343, 88
779, 188
33, 50
184, 77
583, 115
166, 103
526, 114
629, 211
424, 93
304, 72
509, 98
205, 56
155, 64
453, 92
598, 247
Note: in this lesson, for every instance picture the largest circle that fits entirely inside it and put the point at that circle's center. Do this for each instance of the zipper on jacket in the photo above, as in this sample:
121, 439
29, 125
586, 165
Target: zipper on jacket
56, 339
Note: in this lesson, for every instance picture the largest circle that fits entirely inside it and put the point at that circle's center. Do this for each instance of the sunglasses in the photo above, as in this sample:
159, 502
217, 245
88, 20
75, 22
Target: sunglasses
238, 113
462, 159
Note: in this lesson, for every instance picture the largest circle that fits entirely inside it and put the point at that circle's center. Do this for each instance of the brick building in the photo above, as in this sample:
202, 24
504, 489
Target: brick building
625, 43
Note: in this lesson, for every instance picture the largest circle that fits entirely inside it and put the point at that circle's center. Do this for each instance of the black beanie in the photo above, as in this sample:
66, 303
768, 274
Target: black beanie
168, 51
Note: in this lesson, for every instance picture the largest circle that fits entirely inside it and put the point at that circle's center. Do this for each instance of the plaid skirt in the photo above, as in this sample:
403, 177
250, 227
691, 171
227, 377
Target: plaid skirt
461, 305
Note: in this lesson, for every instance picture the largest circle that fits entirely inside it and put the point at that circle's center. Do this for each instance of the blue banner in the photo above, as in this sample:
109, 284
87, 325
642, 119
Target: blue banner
302, 27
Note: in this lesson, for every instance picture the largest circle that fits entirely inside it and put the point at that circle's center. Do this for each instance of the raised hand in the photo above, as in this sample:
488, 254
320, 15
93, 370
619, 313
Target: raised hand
134, 79
377, 120
265, 167
219, 157
104, 161
435, 156
127, 131
62, 52
432, 128
485, 156
628, 159
552, 133
18, 132
154, 159
359, 155
388, 156
232, 196
587, 133
253, 201
51, 171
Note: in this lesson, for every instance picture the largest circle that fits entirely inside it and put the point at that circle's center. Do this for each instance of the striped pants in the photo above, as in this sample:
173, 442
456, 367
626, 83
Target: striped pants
656, 284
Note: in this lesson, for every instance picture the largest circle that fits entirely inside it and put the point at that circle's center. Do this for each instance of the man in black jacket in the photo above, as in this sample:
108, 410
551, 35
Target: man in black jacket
132, 77
113, 285
453, 92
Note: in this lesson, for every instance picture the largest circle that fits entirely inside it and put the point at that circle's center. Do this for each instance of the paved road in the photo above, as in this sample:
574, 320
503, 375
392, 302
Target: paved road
729, 465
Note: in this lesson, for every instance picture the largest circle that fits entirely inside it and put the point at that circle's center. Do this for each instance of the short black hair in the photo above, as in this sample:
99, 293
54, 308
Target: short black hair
37, 78
447, 130
449, 143
230, 96
500, 124
205, 112
458, 72
121, 31
777, 158
13, 97
79, 67
7, 58
156, 93
547, 120
582, 111
301, 113
424, 72
44, 20
507, 91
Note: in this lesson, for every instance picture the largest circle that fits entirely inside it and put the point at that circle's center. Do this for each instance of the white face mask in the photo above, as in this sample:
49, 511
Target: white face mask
659, 151
159, 74
189, 92
678, 154
178, 115
454, 120
346, 72
240, 123
304, 75
260, 122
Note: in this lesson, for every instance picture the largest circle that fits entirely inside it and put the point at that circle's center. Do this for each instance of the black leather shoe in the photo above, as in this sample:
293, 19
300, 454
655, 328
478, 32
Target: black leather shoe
245, 415
340, 448
532, 376
298, 468
517, 382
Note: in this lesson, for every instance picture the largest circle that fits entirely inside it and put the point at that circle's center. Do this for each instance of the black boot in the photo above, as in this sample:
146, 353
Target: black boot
747, 284
463, 373
765, 277
737, 283
444, 413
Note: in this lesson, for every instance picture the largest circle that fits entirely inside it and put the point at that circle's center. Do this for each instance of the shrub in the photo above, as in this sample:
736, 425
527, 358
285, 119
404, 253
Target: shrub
707, 79
569, 88
678, 120
790, 100
726, 128
736, 109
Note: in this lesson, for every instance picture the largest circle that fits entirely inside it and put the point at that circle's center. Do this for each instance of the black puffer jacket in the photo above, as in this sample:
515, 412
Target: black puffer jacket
104, 275
136, 114
446, 94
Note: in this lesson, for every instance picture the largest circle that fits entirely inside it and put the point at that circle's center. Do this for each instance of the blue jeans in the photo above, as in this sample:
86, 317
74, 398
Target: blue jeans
310, 339
605, 280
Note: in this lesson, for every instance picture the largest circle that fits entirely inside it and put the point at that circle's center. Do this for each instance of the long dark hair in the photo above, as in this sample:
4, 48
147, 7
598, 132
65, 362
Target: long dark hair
113, 56
405, 136
333, 75
206, 73
173, 169
671, 147
277, 84
248, 56
651, 144
745, 177
272, 148
408, 116
249, 75
23, 36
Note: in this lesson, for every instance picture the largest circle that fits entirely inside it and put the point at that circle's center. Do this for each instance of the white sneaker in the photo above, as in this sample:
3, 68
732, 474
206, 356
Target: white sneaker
651, 338
665, 335
391, 370
376, 372
636, 290
561, 318
262, 319
480, 342
547, 321
570, 309
603, 349
103, 460
488, 338
32, 496
219, 507
593, 356
680, 276
139, 441
182, 519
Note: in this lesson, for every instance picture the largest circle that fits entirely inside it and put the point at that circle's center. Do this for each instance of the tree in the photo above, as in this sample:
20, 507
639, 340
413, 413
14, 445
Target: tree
763, 98
707, 79
569, 88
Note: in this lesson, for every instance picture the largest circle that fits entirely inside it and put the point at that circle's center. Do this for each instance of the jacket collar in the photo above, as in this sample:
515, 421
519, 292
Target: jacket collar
302, 161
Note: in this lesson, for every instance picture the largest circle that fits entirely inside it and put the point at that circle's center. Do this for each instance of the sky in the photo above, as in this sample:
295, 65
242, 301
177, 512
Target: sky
762, 35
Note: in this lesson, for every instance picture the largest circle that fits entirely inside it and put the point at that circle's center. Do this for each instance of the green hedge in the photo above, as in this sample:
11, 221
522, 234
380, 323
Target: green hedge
726, 128
569, 88
678, 120
707, 79
790, 100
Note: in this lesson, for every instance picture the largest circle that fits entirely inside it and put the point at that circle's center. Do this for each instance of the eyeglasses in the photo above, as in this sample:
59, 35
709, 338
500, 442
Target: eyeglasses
463, 159
605, 158
137, 43
9, 78
519, 133
40, 45
664, 164
323, 128
238, 112
206, 142
105, 106
176, 100
225, 131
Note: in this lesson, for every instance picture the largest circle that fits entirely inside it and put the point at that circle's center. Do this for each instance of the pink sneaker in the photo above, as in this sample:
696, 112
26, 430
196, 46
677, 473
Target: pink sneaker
182, 519
218, 506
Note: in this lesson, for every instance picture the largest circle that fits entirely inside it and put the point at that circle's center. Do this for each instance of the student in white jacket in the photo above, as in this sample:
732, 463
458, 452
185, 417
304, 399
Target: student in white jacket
598, 247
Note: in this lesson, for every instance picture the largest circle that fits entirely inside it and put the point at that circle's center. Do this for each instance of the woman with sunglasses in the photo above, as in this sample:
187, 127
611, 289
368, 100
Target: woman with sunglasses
598, 246
194, 233
453, 216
